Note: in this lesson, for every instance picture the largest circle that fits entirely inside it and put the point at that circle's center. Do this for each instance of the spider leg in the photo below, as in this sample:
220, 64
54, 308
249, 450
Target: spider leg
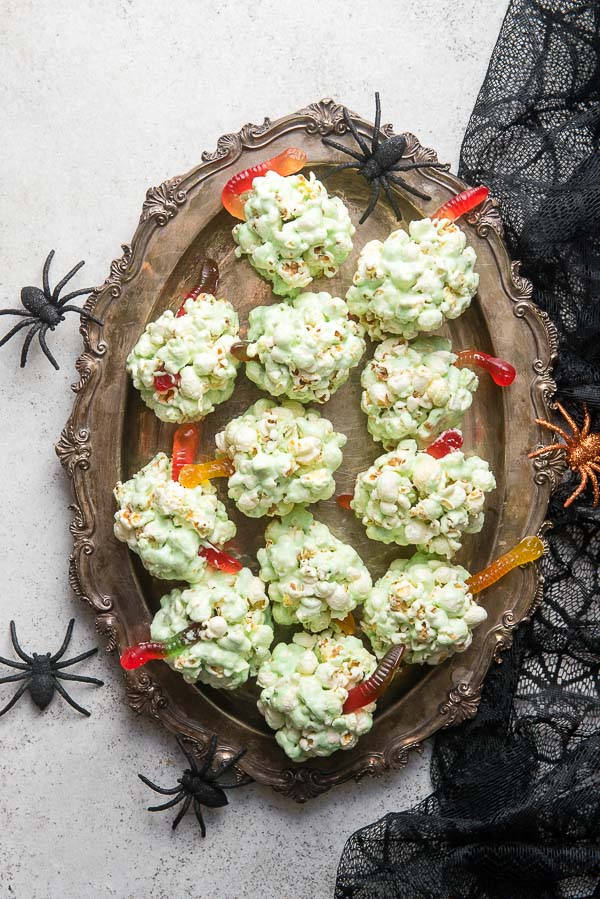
342, 148
546, 449
166, 805
64, 280
409, 166
65, 642
548, 424
24, 324
578, 490
82, 312
15, 312
241, 783
70, 699
338, 168
158, 789
76, 293
75, 659
82, 678
198, 810
375, 141
210, 754
396, 179
20, 652
586, 421
372, 202
44, 346
568, 419
45, 274
229, 764
12, 664
13, 677
182, 811
15, 698
595, 487
390, 195
353, 130
27, 343
188, 755
594, 466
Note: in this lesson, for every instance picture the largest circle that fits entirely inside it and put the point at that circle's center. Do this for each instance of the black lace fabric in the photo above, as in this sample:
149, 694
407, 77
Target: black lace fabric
515, 812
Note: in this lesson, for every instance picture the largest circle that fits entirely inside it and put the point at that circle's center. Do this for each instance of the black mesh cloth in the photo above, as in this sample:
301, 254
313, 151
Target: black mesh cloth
515, 812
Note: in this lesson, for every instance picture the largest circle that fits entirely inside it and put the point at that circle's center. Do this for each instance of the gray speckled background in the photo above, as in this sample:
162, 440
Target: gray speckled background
99, 99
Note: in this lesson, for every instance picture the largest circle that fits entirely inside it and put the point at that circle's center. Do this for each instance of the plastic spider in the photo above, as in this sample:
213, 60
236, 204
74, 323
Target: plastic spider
198, 785
42, 673
379, 163
43, 310
582, 452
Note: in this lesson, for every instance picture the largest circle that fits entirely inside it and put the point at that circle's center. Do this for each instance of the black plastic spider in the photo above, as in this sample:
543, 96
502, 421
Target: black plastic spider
198, 785
43, 310
379, 162
41, 673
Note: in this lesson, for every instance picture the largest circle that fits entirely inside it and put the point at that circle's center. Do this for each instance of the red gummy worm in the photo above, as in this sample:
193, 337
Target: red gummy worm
220, 560
502, 373
137, 655
140, 653
185, 446
461, 203
208, 283
446, 443
372, 688
287, 163
164, 381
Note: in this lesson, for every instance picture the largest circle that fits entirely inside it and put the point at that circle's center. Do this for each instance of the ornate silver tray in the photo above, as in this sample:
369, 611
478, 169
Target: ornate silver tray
110, 434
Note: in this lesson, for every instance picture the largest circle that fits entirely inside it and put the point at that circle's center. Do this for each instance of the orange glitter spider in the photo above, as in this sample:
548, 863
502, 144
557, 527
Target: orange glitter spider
582, 452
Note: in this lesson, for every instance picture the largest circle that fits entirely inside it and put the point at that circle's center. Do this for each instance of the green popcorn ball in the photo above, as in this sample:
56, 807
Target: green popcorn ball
195, 349
234, 612
283, 456
293, 232
314, 579
166, 524
408, 497
413, 390
304, 686
413, 281
425, 605
304, 349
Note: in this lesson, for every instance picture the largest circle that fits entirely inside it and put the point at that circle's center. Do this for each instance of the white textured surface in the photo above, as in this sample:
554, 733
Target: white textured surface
100, 99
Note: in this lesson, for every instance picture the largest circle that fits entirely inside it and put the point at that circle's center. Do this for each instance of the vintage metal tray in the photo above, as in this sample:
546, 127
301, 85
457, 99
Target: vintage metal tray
111, 434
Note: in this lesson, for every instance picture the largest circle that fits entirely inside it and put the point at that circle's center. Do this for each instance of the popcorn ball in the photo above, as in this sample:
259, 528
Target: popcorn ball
305, 349
182, 364
293, 232
167, 524
236, 628
413, 281
314, 579
408, 497
425, 605
304, 686
414, 390
283, 456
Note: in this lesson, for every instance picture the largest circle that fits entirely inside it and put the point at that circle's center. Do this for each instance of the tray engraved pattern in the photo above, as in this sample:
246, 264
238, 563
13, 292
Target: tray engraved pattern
109, 434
